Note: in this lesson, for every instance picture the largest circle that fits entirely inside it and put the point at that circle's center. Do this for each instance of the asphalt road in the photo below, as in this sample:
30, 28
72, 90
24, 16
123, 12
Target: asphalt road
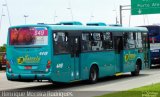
83, 89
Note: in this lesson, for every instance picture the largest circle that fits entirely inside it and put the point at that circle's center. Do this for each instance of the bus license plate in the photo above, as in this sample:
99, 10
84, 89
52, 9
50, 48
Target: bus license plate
28, 67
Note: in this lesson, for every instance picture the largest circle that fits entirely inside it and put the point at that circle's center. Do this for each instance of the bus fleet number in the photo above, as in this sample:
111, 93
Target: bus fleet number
39, 32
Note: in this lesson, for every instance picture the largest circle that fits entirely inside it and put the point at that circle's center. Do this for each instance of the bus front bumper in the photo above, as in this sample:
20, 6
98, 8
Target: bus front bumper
23, 77
155, 60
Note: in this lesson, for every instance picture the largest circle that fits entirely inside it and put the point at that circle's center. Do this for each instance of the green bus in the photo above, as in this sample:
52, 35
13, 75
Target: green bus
68, 53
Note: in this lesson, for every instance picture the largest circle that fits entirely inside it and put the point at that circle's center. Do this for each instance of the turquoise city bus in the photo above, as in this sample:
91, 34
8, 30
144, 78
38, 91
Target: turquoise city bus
68, 53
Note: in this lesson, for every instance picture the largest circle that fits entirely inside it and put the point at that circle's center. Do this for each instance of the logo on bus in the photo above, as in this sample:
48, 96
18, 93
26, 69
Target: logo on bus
28, 59
129, 57
60, 65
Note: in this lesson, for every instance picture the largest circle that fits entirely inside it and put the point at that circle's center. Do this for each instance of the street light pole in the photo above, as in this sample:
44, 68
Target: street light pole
1, 18
25, 18
70, 8
91, 18
120, 11
71, 13
116, 16
8, 12
55, 16
1, 21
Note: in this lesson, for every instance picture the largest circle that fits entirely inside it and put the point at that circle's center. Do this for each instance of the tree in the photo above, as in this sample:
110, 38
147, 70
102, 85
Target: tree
3, 48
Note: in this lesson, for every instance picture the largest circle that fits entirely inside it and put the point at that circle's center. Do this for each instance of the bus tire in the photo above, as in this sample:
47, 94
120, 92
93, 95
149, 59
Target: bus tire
58, 83
93, 75
137, 69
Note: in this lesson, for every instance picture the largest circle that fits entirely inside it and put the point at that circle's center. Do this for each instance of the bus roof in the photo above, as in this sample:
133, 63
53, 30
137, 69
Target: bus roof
96, 24
88, 28
150, 25
69, 23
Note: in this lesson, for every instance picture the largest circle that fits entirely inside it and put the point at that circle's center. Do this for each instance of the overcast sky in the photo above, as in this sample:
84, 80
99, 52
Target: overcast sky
51, 11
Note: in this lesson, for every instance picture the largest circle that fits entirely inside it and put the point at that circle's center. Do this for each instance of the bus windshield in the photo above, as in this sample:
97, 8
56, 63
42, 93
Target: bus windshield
28, 36
153, 31
154, 35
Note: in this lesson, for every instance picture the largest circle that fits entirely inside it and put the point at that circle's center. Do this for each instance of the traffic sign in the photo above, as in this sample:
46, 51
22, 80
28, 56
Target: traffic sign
140, 7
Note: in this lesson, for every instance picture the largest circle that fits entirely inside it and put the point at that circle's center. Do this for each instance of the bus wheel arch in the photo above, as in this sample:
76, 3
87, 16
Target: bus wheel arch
93, 73
138, 68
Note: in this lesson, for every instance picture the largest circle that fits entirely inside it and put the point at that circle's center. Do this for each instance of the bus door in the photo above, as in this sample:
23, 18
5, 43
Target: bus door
118, 45
75, 52
66, 49
145, 42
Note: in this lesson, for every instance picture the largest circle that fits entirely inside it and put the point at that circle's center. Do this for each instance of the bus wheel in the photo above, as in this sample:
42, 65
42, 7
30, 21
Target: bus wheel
137, 70
93, 76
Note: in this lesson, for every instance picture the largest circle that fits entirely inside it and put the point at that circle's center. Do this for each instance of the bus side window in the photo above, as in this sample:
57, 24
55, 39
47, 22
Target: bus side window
86, 41
129, 41
107, 41
138, 40
126, 40
61, 42
97, 42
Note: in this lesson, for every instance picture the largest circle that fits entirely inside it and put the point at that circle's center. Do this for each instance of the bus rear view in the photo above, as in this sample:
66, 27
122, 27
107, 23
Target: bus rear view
28, 54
